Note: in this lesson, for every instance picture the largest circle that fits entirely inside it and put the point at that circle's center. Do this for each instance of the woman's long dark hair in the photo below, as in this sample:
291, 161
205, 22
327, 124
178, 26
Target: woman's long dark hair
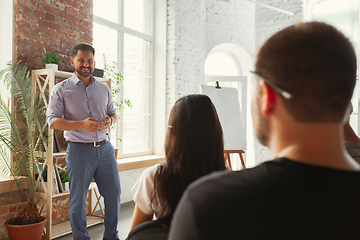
194, 147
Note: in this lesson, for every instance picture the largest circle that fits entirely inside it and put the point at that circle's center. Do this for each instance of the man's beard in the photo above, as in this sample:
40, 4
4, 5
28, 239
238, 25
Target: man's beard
84, 74
262, 127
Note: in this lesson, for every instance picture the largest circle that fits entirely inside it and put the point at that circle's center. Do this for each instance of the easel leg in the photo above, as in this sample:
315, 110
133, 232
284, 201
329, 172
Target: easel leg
228, 161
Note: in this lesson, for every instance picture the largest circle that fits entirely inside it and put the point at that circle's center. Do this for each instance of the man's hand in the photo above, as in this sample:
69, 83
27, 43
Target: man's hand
107, 121
90, 124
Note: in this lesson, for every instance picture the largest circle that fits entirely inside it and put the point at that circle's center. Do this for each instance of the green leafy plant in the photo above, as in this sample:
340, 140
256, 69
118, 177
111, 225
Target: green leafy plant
111, 71
52, 57
64, 176
27, 148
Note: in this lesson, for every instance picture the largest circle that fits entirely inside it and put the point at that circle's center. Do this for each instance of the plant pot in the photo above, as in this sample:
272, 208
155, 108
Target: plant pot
66, 186
28, 232
52, 66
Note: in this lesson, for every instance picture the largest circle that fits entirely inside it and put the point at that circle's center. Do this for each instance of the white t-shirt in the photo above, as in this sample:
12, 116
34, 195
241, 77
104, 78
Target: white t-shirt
143, 193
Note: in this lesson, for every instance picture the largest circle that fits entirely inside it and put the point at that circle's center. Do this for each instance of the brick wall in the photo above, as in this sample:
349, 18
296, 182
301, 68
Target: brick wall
43, 26
11, 204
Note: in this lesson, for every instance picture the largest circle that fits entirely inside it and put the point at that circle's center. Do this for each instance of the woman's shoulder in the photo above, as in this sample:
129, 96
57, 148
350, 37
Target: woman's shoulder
150, 171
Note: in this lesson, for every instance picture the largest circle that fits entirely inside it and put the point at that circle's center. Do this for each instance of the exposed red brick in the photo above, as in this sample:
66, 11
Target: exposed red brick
29, 3
87, 38
22, 24
49, 48
71, 10
24, 50
59, 20
4, 210
69, 68
37, 13
35, 52
36, 28
71, 3
71, 18
28, 18
37, 45
52, 10
55, 214
64, 211
28, 35
49, 24
61, 66
49, 41
37, 61
69, 32
20, 58
89, 4
22, 9
49, 16
21, 41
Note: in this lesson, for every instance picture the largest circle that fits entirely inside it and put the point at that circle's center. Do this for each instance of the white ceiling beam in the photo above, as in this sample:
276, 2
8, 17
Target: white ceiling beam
270, 7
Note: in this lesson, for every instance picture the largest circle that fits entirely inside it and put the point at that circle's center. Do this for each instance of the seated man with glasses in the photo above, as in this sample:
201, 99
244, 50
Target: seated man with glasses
303, 82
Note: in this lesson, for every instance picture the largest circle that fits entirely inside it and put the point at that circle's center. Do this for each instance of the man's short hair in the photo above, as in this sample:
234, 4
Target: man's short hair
82, 47
314, 62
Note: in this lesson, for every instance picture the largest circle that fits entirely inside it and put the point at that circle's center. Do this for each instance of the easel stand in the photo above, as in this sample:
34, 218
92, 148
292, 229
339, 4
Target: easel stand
227, 157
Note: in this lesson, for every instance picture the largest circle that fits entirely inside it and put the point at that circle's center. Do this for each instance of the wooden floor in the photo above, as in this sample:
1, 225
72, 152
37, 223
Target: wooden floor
96, 231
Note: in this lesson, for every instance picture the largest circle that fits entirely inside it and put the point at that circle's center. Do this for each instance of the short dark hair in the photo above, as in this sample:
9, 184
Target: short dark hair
314, 62
193, 147
82, 47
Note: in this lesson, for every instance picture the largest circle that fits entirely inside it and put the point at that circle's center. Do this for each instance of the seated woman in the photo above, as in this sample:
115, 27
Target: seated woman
193, 148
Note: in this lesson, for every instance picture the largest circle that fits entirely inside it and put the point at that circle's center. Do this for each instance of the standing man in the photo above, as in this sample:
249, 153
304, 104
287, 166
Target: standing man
303, 82
84, 109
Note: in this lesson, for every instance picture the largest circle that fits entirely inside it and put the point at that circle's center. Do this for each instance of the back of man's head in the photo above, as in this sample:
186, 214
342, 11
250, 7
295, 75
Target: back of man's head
316, 64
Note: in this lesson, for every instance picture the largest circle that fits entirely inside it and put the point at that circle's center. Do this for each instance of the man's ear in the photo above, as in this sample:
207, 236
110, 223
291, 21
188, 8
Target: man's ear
72, 62
267, 99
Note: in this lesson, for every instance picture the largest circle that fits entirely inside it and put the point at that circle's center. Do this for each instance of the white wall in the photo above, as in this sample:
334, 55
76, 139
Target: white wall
196, 26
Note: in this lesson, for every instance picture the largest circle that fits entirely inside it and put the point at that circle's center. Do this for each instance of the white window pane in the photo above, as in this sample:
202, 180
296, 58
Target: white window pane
342, 14
137, 89
136, 130
107, 9
136, 135
136, 55
137, 15
105, 42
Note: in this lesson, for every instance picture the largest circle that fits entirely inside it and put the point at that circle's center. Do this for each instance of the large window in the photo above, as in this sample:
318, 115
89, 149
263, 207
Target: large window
123, 32
344, 15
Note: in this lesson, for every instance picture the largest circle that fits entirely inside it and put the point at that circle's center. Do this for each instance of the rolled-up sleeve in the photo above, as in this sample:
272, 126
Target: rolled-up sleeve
56, 105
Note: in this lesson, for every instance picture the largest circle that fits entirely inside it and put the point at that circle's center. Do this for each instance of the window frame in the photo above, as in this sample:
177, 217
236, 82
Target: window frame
121, 31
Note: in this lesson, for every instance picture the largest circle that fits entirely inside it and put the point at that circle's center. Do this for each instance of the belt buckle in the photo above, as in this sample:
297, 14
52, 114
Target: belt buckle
97, 144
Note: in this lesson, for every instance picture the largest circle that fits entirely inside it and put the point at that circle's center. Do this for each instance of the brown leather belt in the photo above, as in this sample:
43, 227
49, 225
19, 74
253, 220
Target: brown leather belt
95, 144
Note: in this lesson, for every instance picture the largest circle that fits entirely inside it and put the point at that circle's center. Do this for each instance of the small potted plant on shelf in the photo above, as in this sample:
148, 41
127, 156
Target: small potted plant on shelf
64, 179
52, 60
26, 148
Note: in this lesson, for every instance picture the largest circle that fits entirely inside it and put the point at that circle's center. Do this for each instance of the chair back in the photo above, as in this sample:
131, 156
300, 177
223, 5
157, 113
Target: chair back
151, 230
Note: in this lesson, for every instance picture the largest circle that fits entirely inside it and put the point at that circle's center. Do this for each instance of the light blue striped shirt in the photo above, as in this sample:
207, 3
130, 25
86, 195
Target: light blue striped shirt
72, 100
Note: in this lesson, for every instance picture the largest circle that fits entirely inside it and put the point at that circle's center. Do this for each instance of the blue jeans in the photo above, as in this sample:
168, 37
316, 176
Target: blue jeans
85, 162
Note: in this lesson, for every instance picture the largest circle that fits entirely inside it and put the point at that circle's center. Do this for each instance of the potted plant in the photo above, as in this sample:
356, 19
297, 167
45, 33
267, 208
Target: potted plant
25, 152
64, 179
52, 60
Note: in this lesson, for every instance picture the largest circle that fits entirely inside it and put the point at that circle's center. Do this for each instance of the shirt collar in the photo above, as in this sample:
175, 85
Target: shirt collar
76, 80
